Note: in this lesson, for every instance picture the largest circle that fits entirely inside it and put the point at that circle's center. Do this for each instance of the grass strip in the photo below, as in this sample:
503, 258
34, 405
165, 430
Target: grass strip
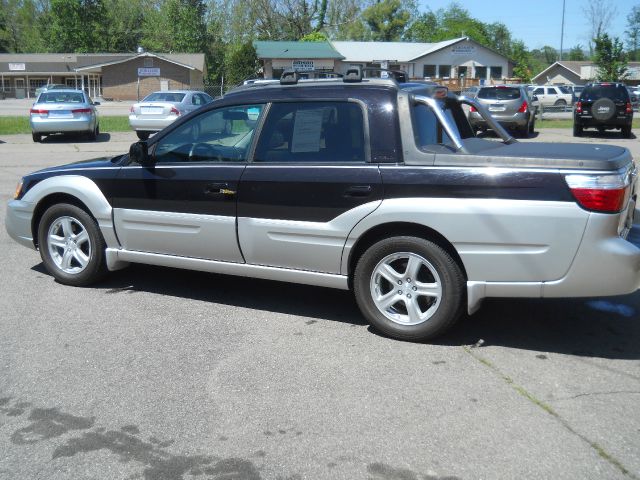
549, 409
20, 124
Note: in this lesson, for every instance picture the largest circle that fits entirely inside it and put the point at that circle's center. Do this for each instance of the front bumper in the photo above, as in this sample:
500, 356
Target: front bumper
18, 222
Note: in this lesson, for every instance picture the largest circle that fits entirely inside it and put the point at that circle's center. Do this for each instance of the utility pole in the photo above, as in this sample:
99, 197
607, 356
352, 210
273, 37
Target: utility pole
562, 30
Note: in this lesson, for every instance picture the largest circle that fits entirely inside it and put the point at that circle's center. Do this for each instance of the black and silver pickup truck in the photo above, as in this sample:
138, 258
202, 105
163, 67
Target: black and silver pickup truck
364, 184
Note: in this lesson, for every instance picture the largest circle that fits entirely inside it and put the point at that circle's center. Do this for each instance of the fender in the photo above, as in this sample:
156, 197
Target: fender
82, 188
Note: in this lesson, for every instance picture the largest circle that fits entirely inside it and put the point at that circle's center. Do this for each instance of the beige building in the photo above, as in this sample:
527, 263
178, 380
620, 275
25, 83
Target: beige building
568, 72
125, 76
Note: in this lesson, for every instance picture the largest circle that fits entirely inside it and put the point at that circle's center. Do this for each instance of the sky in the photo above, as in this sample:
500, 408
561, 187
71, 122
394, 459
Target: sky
538, 22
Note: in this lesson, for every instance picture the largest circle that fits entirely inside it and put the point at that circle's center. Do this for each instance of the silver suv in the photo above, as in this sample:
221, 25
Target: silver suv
510, 105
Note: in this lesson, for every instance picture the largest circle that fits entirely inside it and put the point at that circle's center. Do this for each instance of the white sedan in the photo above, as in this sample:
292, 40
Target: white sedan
160, 109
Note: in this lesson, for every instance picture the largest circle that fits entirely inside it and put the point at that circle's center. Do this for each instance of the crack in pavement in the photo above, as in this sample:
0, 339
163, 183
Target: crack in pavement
588, 394
547, 408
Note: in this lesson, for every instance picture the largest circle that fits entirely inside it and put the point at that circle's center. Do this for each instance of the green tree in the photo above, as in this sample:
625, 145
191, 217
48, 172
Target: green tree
387, 20
77, 26
314, 37
577, 53
240, 63
499, 37
176, 26
610, 58
522, 58
633, 33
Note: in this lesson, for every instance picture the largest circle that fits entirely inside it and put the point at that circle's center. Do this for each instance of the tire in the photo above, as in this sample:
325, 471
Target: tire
71, 245
142, 135
383, 273
560, 103
603, 109
93, 135
37, 137
532, 126
524, 131
577, 129
626, 131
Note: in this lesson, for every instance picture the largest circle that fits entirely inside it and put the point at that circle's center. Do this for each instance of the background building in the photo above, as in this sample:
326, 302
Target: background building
126, 76
460, 58
569, 72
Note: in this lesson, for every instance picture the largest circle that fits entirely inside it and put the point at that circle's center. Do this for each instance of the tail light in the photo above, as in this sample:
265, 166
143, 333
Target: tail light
628, 109
579, 107
600, 193
81, 110
174, 111
523, 108
38, 111
472, 108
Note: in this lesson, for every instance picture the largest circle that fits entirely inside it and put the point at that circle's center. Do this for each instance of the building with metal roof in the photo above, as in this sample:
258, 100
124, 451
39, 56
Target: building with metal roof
458, 58
121, 76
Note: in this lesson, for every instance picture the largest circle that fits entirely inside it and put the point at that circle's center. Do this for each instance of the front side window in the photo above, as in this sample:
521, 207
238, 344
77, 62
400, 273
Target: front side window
538, 91
221, 135
551, 91
312, 132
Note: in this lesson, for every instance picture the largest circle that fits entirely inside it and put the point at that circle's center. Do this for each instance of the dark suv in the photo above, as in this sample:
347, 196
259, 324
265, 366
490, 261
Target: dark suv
604, 106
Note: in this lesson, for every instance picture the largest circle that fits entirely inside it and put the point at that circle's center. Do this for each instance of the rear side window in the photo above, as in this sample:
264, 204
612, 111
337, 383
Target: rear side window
312, 132
617, 93
499, 93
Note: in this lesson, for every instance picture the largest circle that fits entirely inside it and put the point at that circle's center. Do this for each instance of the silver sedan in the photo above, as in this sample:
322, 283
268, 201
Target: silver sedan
160, 109
64, 111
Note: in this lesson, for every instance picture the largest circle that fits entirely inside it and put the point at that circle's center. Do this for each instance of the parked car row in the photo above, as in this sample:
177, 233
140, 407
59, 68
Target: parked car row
60, 109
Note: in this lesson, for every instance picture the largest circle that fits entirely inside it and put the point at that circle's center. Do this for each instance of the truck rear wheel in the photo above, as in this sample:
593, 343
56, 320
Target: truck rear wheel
409, 288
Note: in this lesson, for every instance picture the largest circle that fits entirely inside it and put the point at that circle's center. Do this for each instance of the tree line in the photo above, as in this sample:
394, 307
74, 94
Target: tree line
225, 29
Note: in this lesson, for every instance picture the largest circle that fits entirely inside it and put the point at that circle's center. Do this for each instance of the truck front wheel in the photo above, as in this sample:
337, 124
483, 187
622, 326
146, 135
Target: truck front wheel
409, 288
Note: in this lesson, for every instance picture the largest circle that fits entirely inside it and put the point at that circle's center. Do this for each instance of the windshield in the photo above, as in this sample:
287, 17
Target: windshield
499, 93
61, 97
165, 97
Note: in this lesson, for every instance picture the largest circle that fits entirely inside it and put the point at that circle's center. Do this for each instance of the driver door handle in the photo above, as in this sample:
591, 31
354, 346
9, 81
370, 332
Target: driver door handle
220, 188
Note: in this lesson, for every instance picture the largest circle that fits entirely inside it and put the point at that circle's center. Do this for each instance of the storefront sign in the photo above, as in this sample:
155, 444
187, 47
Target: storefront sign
463, 50
303, 65
17, 67
148, 72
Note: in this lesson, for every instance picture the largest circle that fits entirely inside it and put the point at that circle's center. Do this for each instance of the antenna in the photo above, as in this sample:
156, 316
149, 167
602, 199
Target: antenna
562, 30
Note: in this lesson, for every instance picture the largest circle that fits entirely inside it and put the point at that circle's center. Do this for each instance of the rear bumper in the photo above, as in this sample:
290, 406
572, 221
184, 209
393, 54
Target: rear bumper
140, 123
589, 121
85, 123
605, 265
516, 120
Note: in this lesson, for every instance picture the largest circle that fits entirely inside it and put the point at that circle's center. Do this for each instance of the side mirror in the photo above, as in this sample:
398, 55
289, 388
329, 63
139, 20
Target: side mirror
534, 98
139, 153
96, 103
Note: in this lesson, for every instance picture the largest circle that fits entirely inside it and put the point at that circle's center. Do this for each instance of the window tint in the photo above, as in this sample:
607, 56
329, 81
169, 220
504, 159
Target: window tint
61, 97
219, 135
551, 91
312, 132
617, 93
565, 90
499, 93
164, 97
427, 129
538, 91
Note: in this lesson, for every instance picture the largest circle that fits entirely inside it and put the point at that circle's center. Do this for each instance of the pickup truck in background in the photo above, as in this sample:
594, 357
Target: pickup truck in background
372, 185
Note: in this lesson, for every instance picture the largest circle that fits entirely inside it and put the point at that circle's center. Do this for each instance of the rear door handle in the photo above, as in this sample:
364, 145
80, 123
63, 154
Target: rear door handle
358, 191
220, 188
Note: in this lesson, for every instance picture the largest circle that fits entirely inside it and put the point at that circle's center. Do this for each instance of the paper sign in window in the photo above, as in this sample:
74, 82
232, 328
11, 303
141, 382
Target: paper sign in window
306, 131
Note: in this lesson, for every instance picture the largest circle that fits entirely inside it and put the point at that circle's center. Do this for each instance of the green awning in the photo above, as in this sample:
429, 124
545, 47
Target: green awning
268, 49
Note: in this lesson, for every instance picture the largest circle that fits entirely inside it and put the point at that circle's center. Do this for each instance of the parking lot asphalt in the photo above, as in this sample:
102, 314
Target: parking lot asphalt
163, 374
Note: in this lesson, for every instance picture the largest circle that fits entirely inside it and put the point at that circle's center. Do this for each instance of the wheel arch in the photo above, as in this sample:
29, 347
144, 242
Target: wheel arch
76, 190
395, 229
49, 201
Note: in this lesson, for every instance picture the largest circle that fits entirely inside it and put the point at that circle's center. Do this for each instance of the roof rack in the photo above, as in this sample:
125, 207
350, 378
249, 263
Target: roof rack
353, 74
290, 77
